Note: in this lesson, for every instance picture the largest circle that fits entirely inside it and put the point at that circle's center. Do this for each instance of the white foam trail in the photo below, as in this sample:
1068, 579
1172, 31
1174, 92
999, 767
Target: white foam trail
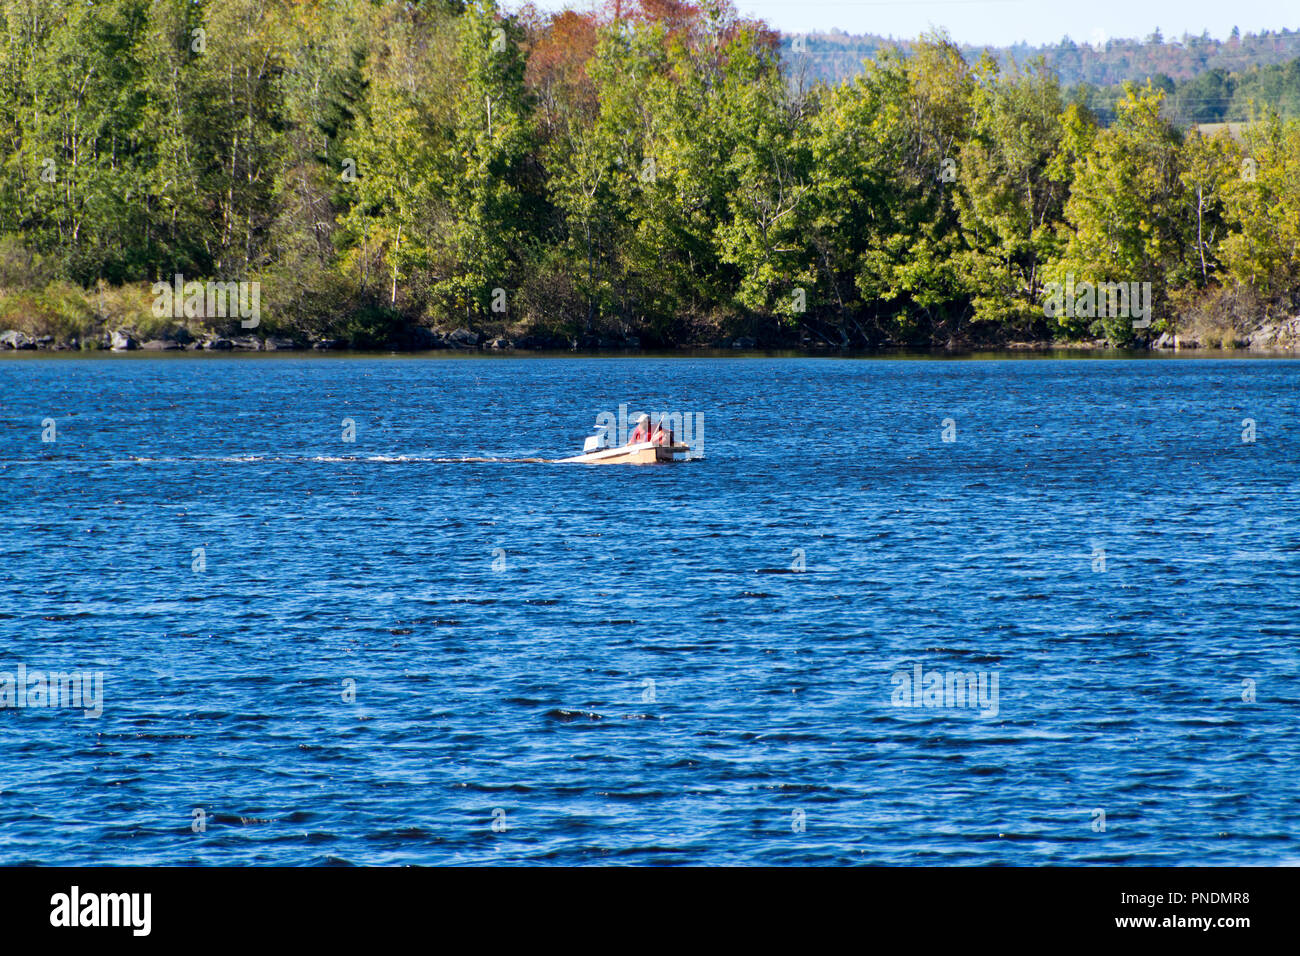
253, 459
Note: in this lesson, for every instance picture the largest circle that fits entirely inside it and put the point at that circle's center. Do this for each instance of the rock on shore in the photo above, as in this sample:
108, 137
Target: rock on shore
14, 339
1282, 335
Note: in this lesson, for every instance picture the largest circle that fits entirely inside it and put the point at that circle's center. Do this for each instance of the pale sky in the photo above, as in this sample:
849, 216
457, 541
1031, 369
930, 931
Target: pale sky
1002, 22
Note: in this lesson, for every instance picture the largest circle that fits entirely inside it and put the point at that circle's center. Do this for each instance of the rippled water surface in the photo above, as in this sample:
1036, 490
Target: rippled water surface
628, 665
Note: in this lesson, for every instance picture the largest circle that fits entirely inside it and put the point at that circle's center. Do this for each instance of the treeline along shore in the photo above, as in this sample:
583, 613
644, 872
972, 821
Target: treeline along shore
366, 174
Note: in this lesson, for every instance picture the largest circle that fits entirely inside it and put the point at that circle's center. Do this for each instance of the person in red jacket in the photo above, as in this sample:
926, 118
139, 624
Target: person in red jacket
663, 433
642, 431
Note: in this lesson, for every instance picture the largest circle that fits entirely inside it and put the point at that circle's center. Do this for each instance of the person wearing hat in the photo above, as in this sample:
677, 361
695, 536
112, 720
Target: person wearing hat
642, 431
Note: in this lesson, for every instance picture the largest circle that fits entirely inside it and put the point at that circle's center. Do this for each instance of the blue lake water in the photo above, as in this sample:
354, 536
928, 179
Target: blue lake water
707, 662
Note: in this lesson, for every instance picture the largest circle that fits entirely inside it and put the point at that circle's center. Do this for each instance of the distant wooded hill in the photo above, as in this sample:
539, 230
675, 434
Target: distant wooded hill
1206, 80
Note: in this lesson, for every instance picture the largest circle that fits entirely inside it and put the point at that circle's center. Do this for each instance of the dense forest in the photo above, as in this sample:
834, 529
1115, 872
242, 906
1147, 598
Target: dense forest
657, 174
1095, 60
1205, 80
1215, 96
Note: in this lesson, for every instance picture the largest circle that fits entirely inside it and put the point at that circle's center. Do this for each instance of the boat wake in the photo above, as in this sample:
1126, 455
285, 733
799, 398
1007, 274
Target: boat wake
276, 459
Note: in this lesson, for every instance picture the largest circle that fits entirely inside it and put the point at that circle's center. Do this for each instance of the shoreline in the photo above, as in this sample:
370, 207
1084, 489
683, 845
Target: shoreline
1268, 338
1049, 353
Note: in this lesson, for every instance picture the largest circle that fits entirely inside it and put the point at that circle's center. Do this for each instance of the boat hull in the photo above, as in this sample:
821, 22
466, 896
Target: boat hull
642, 453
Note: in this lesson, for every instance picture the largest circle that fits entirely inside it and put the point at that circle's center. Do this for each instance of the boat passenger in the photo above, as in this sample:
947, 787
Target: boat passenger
663, 433
642, 432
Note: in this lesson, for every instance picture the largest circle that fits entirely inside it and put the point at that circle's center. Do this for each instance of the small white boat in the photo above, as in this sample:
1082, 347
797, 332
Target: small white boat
641, 453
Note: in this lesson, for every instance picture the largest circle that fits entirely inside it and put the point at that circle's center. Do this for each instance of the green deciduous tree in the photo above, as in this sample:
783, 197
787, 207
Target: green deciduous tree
1011, 194
1262, 209
1128, 212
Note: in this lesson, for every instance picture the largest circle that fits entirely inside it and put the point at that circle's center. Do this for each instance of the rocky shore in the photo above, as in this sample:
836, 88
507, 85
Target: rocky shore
181, 340
418, 340
1275, 336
